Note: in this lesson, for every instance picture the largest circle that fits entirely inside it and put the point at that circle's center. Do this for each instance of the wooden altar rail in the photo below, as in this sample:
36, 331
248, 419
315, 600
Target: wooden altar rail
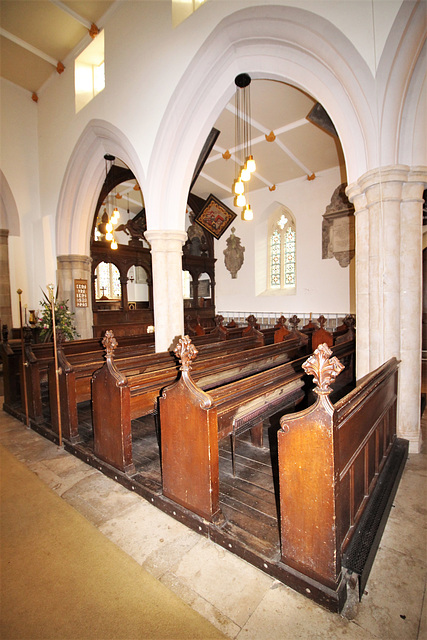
117, 399
75, 380
333, 461
192, 421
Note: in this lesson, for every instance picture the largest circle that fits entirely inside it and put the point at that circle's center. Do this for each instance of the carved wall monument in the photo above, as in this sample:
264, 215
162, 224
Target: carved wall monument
233, 254
338, 228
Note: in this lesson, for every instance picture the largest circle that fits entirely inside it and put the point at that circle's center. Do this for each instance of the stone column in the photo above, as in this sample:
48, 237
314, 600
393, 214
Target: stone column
5, 299
70, 268
362, 280
166, 257
411, 283
388, 205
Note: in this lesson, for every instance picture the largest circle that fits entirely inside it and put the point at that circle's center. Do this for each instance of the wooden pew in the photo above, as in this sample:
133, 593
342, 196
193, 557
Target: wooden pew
38, 358
192, 421
320, 335
75, 379
138, 395
11, 361
339, 467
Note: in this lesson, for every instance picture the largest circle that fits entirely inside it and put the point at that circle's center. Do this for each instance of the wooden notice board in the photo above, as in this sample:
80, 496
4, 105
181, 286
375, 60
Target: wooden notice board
80, 291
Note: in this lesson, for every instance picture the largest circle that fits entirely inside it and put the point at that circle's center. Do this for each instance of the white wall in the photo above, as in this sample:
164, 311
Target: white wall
30, 253
322, 285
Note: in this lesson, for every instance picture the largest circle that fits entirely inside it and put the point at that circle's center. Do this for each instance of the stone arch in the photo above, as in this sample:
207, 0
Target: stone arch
279, 43
83, 180
9, 216
400, 87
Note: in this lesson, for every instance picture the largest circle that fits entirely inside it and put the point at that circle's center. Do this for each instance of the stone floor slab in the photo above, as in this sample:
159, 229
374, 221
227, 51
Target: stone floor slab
234, 587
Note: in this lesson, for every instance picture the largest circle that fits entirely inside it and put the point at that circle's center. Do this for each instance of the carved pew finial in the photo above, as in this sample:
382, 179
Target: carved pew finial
252, 321
219, 320
294, 322
109, 343
323, 368
322, 321
185, 351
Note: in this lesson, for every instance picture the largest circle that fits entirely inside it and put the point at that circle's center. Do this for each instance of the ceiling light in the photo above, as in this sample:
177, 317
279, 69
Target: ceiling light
243, 149
247, 213
250, 164
240, 200
239, 187
245, 175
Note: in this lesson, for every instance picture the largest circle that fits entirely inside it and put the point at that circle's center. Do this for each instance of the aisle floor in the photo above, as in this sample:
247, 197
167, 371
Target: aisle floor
236, 597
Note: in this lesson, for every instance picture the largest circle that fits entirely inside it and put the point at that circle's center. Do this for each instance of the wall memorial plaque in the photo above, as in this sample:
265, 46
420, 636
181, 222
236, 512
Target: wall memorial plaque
80, 291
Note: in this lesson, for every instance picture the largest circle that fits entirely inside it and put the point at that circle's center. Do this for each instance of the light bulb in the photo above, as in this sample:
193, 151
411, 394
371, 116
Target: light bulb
114, 245
239, 187
247, 213
109, 236
245, 175
240, 200
250, 164
116, 213
109, 227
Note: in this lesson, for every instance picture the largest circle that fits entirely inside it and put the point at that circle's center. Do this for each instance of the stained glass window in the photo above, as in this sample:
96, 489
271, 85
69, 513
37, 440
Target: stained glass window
275, 258
290, 256
282, 249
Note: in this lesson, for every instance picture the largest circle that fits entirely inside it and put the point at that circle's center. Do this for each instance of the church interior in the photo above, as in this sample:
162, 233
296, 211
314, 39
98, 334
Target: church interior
221, 209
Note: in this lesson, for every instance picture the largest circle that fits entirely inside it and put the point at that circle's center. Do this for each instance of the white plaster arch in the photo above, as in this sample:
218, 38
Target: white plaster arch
83, 179
401, 75
9, 216
273, 42
413, 132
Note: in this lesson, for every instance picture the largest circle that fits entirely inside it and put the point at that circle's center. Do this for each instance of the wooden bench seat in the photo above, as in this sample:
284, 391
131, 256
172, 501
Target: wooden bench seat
136, 396
332, 459
75, 380
192, 421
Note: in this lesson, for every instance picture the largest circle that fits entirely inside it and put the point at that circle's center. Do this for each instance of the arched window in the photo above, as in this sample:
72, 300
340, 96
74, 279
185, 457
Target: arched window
107, 281
282, 251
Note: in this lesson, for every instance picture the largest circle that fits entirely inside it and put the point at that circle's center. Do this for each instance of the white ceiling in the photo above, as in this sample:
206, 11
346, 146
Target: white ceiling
36, 34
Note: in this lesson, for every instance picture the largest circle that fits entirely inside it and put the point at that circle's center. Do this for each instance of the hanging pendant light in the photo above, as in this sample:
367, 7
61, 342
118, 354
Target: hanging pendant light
243, 149
240, 200
250, 164
245, 174
109, 221
239, 187
247, 213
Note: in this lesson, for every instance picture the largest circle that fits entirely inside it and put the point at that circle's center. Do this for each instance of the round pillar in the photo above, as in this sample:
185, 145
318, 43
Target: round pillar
166, 257
388, 206
70, 269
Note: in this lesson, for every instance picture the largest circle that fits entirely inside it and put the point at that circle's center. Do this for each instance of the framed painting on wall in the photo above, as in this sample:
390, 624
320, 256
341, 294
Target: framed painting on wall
215, 217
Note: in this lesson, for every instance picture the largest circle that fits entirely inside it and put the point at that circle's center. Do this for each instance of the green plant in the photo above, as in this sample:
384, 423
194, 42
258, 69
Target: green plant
63, 320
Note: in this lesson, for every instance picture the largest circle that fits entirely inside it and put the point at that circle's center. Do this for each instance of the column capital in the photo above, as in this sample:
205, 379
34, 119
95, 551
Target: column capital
385, 183
74, 259
165, 240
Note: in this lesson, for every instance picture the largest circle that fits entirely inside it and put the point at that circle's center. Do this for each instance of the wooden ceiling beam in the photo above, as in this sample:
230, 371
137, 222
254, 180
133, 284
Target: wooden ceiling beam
28, 47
